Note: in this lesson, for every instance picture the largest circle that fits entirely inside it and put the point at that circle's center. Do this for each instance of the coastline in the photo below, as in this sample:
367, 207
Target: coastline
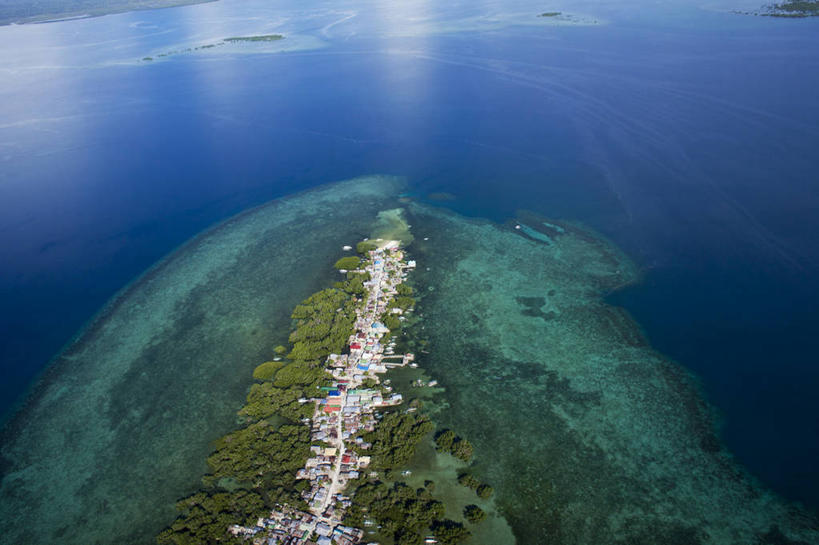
500, 316
60, 17
593, 405
92, 324
167, 330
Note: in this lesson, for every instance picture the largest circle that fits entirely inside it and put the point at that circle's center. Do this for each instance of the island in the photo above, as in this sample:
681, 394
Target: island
790, 9
261, 38
24, 11
319, 457
796, 9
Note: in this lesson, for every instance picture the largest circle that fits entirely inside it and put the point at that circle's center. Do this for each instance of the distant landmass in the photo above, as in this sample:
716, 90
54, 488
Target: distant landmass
791, 9
262, 38
794, 8
259, 38
26, 11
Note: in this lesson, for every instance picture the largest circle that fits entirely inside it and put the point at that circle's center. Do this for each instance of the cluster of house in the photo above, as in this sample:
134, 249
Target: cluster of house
341, 416
288, 526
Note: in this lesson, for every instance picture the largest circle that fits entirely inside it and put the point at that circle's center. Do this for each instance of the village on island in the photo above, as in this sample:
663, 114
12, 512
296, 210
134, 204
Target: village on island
347, 408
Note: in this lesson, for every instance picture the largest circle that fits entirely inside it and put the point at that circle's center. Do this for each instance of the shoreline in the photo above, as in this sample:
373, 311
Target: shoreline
349, 407
62, 17
573, 385
43, 377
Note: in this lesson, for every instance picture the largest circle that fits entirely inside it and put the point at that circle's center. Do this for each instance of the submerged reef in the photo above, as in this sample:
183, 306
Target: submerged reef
119, 427
568, 428
587, 434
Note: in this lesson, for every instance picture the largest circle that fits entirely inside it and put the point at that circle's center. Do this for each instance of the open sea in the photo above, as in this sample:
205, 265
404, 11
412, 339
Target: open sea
683, 133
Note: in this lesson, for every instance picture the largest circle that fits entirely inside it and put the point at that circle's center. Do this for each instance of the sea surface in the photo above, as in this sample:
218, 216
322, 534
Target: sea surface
683, 134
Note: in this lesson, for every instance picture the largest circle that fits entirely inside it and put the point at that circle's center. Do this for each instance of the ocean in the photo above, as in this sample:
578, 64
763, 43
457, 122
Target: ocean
684, 135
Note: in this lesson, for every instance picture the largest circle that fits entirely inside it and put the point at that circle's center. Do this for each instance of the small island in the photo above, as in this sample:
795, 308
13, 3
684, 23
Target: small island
790, 9
324, 439
794, 9
260, 38
550, 14
255, 39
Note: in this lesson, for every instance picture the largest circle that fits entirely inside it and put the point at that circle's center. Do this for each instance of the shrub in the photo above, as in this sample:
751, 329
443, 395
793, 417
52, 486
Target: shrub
474, 514
364, 247
462, 449
459, 447
449, 532
266, 370
403, 289
392, 322
484, 491
348, 263
444, 440
468, 481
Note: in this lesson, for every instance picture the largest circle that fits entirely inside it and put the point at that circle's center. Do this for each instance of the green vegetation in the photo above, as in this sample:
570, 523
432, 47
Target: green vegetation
447, 441
254, 467
305, 375
147, 59
549, 14
266, 399
392, 322
469, 481
205, 517
403, 302
485, 491
365, 246
324, 321
403, 513
354, 285
261, 462
266, 370
448, 532
262, 455
474, 514
403, 289
395, 438
260, 38
349, 263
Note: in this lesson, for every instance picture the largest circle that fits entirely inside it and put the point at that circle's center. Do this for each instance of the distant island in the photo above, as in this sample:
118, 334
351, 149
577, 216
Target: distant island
791, 9
261, 38
794, 9
223, 41
43, 11
549, 14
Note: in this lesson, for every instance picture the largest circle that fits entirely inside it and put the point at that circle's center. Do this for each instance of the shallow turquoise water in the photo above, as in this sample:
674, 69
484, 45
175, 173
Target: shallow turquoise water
120, 427
682, 131
588, 434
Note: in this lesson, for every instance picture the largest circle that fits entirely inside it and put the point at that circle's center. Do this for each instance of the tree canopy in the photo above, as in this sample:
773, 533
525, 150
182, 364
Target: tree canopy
348, 263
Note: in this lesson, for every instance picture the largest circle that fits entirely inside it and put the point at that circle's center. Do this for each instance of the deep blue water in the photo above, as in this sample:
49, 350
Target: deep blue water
686, 135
